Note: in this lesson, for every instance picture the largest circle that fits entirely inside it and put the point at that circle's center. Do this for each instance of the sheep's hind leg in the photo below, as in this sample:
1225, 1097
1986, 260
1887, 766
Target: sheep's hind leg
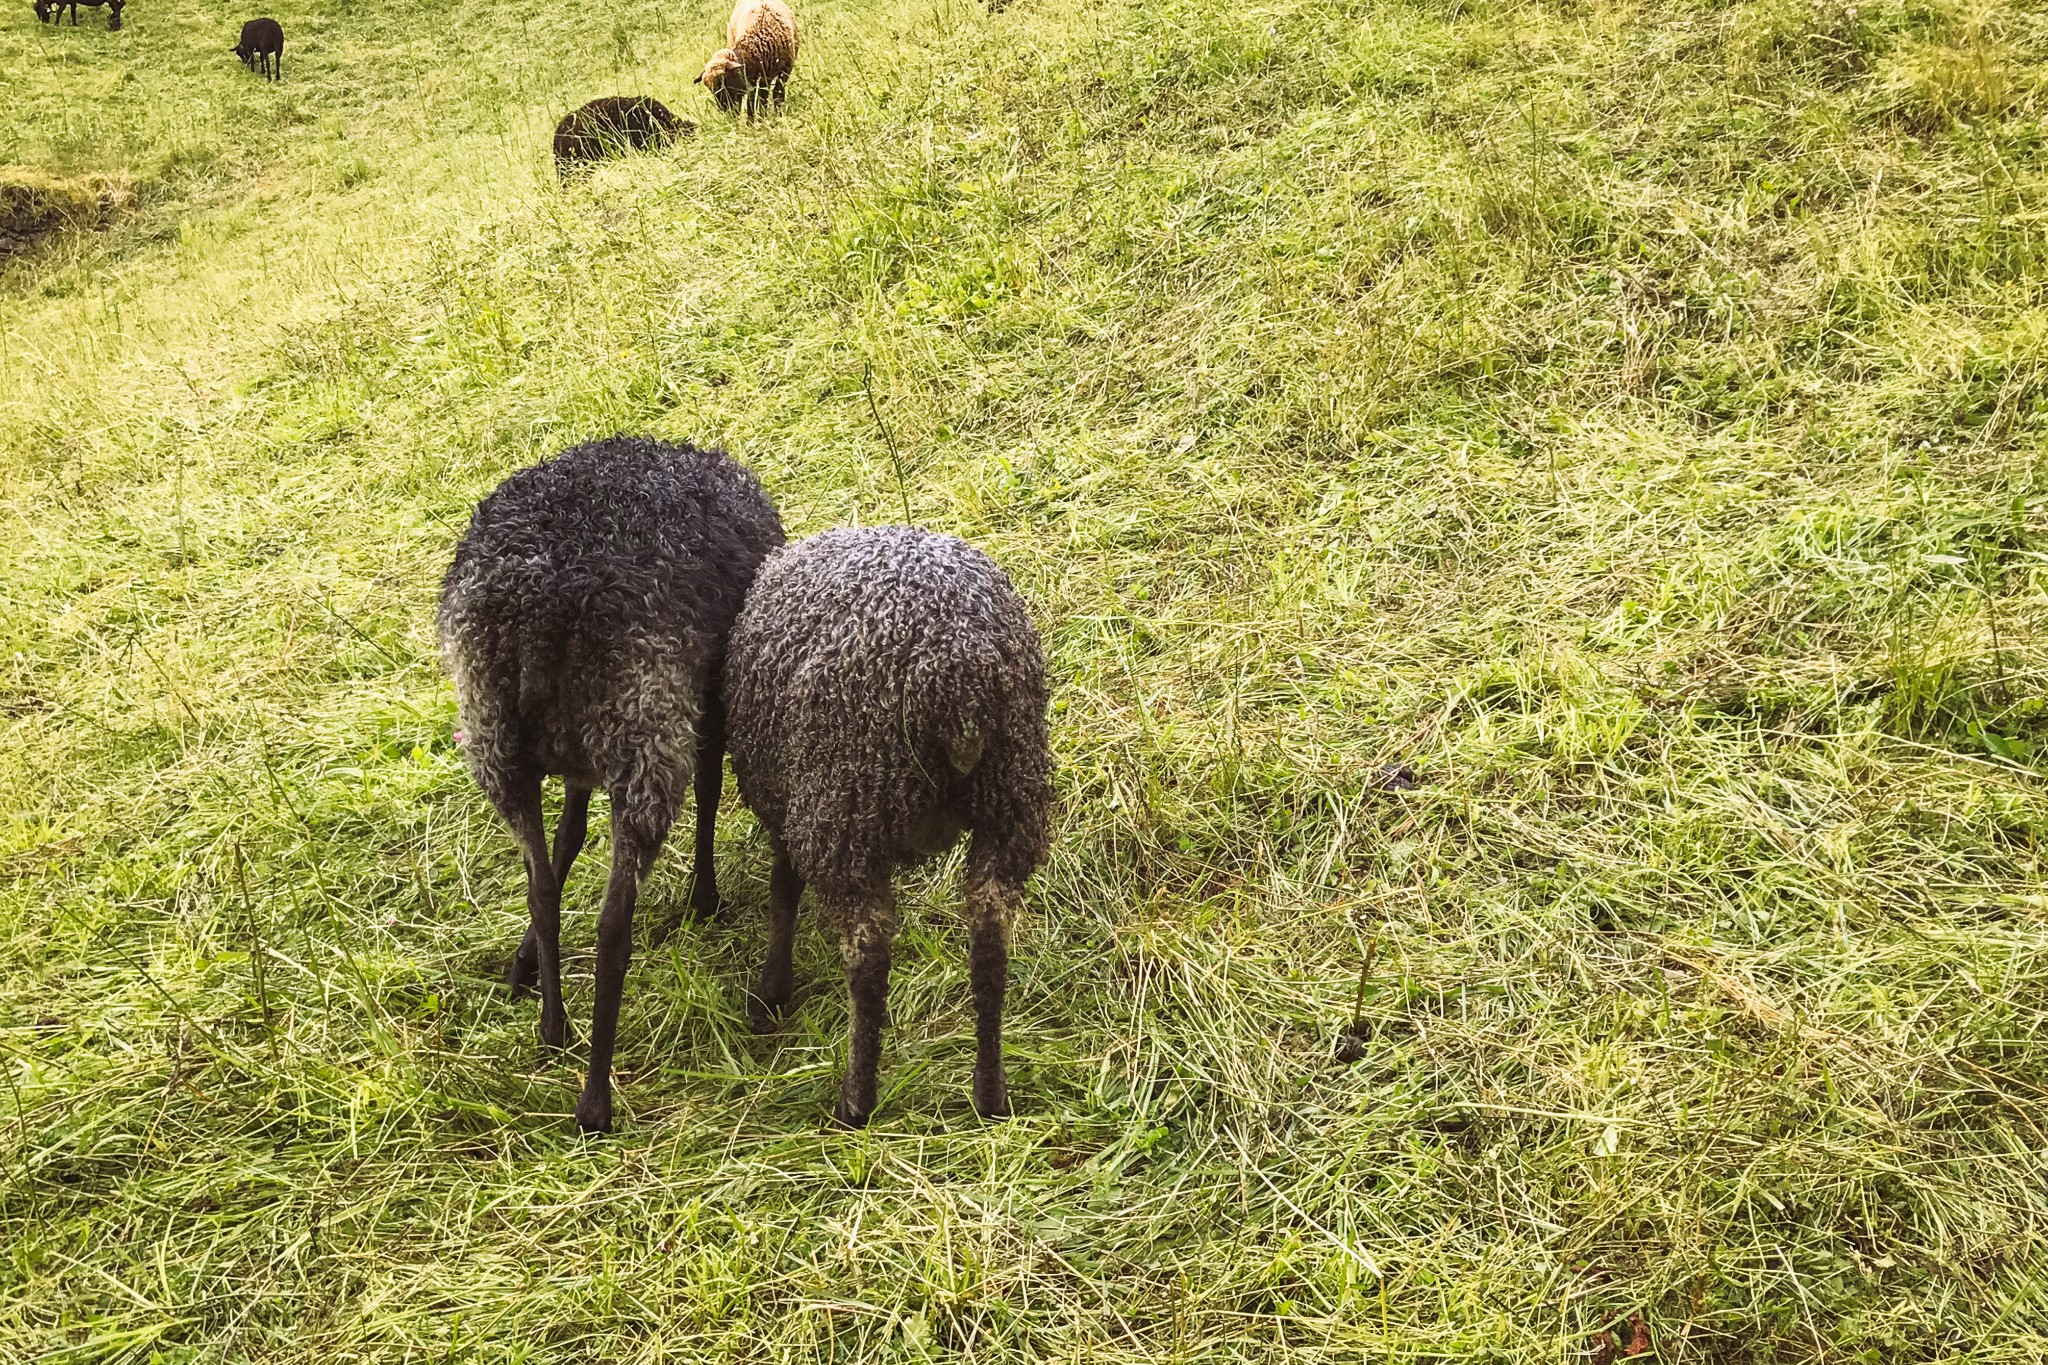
570, 832
704, 901
991, 910
636, 838
778, 975
518, 801
867, 928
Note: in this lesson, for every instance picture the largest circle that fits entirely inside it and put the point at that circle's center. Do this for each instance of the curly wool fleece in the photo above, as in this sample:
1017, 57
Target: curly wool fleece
583, 621
885, 691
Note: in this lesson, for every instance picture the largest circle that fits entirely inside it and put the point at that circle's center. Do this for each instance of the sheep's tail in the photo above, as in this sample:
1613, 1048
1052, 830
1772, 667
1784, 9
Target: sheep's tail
956, 699
963, 745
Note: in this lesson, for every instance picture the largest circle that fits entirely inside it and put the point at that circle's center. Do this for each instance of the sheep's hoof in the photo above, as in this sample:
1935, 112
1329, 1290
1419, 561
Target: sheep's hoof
707, 909
763, 1017
995, 1105
521, 976
594, 1113
845, 1115
554, 1029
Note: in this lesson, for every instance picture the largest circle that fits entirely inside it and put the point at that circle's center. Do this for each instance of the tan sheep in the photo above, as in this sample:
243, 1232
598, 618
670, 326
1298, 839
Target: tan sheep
759, 51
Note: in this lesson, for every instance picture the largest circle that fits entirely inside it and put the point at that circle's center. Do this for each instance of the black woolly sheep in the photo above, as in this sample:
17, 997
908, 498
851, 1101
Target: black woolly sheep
617, 123
885, 692
584, 622
759, 53
51, 11
262, 47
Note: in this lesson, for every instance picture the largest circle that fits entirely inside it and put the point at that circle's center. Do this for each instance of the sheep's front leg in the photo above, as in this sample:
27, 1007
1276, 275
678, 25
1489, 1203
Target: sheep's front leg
778, 975
867, 928
991, 909
634, 845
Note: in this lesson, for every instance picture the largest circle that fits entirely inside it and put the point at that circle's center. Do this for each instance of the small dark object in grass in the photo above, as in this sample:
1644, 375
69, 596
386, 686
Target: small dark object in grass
1638, 1335
262, 48
1352, 1045
613, 126
1395, 777
35, 208
50, 11
583, 621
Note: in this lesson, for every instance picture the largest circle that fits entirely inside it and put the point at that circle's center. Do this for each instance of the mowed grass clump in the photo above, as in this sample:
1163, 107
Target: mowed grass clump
1630, 417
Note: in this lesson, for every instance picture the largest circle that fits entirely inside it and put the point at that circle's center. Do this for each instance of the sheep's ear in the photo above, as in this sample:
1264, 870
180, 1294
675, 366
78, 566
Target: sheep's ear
699, 79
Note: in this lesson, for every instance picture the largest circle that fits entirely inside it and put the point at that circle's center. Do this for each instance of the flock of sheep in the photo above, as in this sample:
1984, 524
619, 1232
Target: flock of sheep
749, 72
625, 613
261, 46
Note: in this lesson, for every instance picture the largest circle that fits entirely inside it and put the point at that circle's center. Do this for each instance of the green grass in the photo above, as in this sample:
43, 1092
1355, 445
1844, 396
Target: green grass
1633, 416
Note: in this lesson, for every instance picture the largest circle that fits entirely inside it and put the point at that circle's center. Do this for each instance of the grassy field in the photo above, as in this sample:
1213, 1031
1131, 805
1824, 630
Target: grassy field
1633, 417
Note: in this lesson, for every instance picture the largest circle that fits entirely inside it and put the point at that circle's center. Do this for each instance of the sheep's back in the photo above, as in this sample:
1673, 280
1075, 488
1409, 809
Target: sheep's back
762, 34
592, 593
860, 662
595, 130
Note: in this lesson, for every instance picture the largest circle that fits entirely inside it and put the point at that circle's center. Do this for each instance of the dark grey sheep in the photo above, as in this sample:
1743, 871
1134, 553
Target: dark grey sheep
885, 692
584, 622
612, 125
262, 47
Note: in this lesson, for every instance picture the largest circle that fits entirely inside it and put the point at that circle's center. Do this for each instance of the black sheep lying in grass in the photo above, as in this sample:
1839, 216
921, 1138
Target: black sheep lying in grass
262, 47
584, 622
885, 692
613, 126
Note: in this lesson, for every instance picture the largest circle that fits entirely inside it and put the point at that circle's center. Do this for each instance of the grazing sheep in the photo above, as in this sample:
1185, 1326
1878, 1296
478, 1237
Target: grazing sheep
884, 693
262, 47
51, 11
612, 125
754, 64
584, 622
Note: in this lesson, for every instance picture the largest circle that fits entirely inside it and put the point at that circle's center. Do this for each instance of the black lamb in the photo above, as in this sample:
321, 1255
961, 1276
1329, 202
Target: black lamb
885, 692
584, 622
614, 125
262, 48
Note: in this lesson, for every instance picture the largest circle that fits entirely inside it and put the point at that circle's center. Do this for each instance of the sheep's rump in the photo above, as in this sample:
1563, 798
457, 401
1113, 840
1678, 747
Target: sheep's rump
763, 36
587, 605
260, 37
884, 690
615, 124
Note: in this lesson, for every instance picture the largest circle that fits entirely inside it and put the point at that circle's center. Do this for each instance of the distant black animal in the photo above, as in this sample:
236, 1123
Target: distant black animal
50, 11
614, 125
261, 48
584, 622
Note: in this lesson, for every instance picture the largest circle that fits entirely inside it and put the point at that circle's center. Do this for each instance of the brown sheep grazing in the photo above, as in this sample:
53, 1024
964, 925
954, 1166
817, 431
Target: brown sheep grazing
614, 125
759, 52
